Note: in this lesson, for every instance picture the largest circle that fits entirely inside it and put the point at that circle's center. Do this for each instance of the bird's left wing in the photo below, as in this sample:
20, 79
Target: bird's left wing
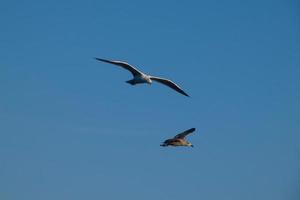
169, 83
122, 64
185, 133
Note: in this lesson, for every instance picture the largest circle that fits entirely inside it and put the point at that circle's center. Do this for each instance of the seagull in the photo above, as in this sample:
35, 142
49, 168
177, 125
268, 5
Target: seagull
179, 139
140, 77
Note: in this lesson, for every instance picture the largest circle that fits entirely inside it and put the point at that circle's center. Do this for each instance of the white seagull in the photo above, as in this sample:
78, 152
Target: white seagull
140, 77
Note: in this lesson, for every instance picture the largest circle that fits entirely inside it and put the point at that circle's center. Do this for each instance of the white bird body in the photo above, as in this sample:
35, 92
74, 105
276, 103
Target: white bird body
140, 77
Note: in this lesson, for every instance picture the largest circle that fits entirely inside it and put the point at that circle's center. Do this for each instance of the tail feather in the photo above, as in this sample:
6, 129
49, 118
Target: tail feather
131, 82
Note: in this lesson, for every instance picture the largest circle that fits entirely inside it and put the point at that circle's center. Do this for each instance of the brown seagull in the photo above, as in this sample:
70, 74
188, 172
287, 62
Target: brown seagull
140, 77
179, 140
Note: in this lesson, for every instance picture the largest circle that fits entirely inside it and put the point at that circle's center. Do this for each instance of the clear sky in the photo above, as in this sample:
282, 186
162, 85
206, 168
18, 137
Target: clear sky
71, 128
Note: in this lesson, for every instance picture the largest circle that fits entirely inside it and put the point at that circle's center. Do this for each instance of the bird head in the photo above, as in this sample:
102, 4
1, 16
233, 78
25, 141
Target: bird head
147, 78
190, 144
149, 81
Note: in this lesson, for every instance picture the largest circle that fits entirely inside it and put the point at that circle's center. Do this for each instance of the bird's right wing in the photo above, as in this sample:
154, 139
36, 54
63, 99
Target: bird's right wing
122, 64
185, 133
170, 84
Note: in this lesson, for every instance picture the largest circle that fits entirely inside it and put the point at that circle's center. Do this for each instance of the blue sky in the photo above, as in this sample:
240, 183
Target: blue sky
71, 128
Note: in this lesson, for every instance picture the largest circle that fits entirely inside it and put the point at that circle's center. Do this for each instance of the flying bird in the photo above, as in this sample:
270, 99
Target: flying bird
179, 139
140, 77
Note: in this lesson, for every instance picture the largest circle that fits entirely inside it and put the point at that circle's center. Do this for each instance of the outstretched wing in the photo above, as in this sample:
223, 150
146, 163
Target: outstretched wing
169, 83
185, 133
125, 65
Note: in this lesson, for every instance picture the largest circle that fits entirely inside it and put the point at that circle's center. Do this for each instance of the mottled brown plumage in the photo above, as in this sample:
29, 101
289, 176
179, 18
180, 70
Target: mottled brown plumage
179, 139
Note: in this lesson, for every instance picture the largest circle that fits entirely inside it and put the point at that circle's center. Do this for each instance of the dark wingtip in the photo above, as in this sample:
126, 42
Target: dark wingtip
98, 59
185, 94
103, 60
193, 129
